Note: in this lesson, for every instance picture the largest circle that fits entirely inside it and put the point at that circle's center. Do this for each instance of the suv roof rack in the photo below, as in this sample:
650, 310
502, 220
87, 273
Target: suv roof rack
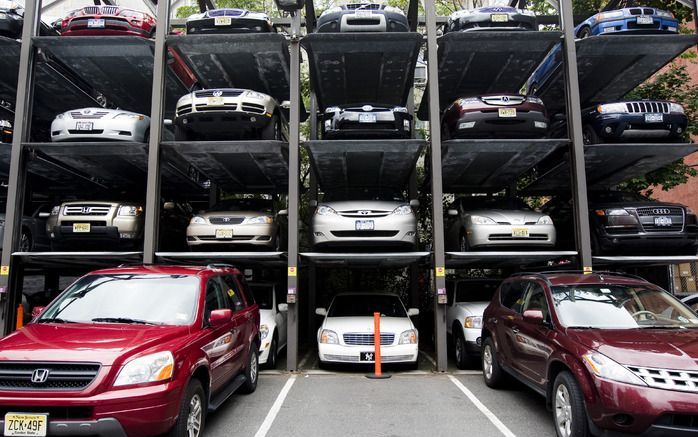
543, 275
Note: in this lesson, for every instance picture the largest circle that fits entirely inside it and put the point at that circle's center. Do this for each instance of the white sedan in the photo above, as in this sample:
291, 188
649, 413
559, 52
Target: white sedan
346, 334
272, 322
99, 124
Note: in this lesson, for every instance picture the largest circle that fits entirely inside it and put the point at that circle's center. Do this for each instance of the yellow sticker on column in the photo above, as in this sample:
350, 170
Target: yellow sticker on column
588, 270
4, 270
440, 272
231, 293
293, 271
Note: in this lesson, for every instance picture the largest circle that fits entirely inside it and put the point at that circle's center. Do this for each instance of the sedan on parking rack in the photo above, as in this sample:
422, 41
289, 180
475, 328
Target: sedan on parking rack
639, 19
492, 18
347, 331
495, 116
229, 20
12, 21
366, 121
134, 351
273, 315
108, 20
236, 223
481, 222
229, 112
33, 231
99, 124
363, 17
6, 131
612, 354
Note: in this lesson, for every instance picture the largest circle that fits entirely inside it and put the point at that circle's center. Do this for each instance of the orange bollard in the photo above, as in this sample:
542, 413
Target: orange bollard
20, 317
378, 374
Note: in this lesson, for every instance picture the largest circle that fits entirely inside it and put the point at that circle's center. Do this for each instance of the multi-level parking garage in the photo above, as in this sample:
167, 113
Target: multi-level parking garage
48, 75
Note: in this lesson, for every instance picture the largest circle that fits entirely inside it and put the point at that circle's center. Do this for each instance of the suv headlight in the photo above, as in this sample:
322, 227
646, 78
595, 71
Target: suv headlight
481, 220
612, 108
263, 331
535, 100
262, 219
402, 210
612, 212
604, 367
328, 337
197, 220
130, 211
400, 109
150, 368
675, 107
56, 210
325, 210
408, 337
473, 322
545, 220
333, 109
255, 95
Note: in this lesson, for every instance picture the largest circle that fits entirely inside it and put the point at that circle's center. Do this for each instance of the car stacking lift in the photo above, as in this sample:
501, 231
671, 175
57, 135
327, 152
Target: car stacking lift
44, 76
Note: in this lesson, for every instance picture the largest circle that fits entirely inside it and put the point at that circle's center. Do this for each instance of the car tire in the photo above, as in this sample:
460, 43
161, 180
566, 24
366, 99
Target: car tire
491, 371
26, 243
569, 412
194, 404
461, 353
584, 32
272, 131
251, 371
273, 353
589, 135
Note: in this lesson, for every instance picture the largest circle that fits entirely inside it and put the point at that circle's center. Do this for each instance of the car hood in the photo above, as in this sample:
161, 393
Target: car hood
661, 348
513, 216
341, 325
104, 343
370, 205
473, 308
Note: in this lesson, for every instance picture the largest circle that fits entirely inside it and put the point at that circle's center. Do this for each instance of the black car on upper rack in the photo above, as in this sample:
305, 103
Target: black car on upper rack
229, 20
366, 121
505, 18
12, 20
363, 17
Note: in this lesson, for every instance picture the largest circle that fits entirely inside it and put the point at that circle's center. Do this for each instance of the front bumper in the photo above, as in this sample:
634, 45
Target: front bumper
111, 235
390, 230
102, 129
200, 236
337, 353
479, 124
237, 114
502, 235
483, 21
629, 24
615, 127
348, 21
643, 243
473, 340
208, 26
388, 124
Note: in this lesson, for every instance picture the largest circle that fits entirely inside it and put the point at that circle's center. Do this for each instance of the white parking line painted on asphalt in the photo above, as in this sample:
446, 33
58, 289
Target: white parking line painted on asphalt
480, 406
428, 357
275, 408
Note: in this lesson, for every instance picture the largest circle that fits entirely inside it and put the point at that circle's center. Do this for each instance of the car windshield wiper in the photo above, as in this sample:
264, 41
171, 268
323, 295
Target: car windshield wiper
123, 320
55, 320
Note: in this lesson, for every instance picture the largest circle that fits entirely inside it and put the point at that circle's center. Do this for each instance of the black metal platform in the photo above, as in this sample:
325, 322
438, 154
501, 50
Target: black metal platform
504, 259
607, 165
347, 163
240, 259
612, 65
477, 63
366, 260
236, 166
360, 68
631, 261
490, 165
120, 67
74, 262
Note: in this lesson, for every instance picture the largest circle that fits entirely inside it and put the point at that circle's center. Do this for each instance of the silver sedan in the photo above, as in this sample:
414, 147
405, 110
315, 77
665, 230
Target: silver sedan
99, 124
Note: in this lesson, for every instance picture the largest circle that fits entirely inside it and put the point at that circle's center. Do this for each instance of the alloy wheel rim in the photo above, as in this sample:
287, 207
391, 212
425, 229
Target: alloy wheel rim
487, 362
459, 349
563, 411
194, 418
253, 368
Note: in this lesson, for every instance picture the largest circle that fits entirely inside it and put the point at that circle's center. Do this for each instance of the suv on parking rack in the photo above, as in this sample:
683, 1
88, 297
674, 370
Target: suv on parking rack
132, 351
611, 353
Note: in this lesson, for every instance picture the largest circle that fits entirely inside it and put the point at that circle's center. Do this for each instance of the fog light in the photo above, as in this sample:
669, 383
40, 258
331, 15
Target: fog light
540, 124
253, 119
409, 234
623, 419
679, 130
185, 121
608, 129
467, 125
406, 124
478, 341
319, 234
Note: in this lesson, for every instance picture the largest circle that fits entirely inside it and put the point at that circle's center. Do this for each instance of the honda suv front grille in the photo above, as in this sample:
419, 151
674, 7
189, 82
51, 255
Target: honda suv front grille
642, 107
87, 210
503, 100
678, 380
359, 339
46, 376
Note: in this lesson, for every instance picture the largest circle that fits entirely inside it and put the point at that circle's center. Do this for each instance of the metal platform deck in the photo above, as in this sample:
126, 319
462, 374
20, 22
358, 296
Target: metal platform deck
611, 65
477, 63
631, 261
607, 165
75, 262
236, 166
356, 163
490, 165
241, 259
366, 260
361, 68
473, 260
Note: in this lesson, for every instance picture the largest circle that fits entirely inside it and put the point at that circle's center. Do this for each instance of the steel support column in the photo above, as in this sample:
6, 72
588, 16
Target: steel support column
293, 194
18, 171
157, 111
574, 122
312, 196
436, 191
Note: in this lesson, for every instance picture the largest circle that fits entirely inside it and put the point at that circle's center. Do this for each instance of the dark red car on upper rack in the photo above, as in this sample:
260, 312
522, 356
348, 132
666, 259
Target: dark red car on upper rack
108, 20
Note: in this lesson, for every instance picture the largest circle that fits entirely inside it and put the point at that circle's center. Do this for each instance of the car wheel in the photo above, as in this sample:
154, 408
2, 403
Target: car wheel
462, 359
585, 32
251, 371
463, 245
146, 136
569, 413
589, 135
491, 370
273, 353
192, 412
272, 131
445, 133
26, 244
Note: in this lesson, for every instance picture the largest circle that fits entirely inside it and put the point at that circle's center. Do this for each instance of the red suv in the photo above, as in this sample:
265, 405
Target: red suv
108, 20
612, 354
131, 351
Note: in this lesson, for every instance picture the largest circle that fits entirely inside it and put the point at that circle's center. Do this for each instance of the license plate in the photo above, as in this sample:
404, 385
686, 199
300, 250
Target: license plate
499, 18
507, 112
364, 225
81, 227
645, 20
519, 232
363, 14
215, 101
654, 118
662, 221
83, 125
367, 356
367, 118
95, 23
19, 424
223, 21
222, 234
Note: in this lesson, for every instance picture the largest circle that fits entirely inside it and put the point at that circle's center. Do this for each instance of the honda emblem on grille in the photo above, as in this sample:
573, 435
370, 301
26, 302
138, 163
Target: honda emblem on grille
39, 376
86, 210
661, 211
217, 93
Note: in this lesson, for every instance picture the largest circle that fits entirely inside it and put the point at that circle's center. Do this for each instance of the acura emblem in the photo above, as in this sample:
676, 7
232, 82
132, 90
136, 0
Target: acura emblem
661, 211
39, 376
505, 98
217, 93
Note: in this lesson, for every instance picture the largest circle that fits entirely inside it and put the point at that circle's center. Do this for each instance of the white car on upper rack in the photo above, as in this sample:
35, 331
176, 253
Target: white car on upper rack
100, 124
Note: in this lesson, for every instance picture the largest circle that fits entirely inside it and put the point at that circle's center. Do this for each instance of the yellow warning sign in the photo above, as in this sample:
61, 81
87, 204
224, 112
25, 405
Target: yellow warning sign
440, 272
588, 270
4, 270
293, 271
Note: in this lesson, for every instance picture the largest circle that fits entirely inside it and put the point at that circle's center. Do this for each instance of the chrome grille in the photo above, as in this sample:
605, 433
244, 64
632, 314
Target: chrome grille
224, 93
503, 100
359, 339
659, 211
90, 10
60, 376
677, 380
77, 115
87, 210
641, 107
363, 213
227, 13
364, 6
225, 220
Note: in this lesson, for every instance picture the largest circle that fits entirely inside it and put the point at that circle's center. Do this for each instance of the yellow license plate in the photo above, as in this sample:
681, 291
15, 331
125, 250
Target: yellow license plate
223, 21
215, 101
519, 232
224, 233
81, 227
28, 425
499, 18
507, 112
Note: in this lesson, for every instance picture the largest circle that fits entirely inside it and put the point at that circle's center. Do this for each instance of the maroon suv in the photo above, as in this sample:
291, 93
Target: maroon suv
131, 351
612, 354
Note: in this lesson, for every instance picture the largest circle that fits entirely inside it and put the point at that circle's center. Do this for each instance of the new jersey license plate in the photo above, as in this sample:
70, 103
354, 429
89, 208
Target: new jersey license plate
499, 18
28, 425
363, 13
223, 234
654, 118
95, 23
83, 125
81, 227
519, 232
507, 112
367, 118
644, 20
364, 225
215, 101
223, 21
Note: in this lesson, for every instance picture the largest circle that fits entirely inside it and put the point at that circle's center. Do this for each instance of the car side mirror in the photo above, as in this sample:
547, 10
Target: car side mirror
412, 312
533, 316
414, 203
168, 206
321, 311
452, 212
36, 311
282, 307
313, 203
220, 317
44, 214
283, 212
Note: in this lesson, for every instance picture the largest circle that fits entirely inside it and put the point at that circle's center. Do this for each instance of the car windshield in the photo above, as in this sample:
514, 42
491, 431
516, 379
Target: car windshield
261, 205
127, 298
364, 305
475, 291
620, 307
471, 203
263, 295
369, 193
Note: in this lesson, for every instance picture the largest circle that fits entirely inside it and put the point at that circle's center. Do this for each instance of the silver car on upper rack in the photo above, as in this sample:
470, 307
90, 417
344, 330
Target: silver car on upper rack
486, 222
100, 124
